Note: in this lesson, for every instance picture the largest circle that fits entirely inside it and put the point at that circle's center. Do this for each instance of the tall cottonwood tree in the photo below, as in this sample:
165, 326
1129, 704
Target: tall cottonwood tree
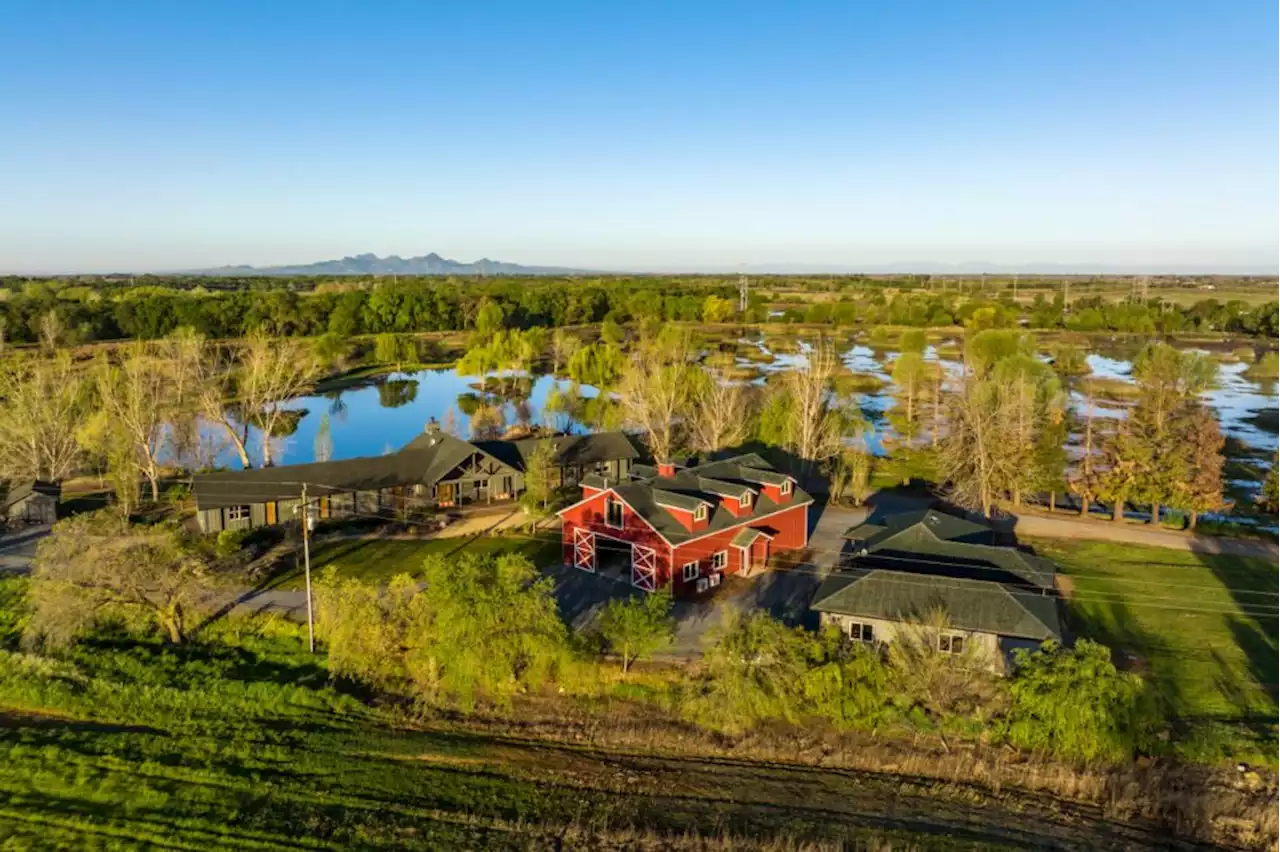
253, 385
718, 413
654, 394
144, 393
910, 379
43, 404
816, 423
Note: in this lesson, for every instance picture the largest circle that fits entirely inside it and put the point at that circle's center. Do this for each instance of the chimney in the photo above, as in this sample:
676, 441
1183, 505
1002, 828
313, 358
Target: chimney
666, 470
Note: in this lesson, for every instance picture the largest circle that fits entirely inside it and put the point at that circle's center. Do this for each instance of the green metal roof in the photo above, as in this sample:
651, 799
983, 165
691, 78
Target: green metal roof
937, 543
721, 488
425, 460
746, 536
975, 605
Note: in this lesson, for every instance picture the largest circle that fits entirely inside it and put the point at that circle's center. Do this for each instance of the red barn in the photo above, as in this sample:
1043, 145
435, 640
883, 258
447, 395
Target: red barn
686, 527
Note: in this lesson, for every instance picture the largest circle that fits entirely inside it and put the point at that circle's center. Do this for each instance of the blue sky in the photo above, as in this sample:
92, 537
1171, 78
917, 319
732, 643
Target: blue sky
151, 136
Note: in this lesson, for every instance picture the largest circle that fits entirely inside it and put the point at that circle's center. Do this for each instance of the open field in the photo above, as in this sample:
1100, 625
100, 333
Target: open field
1202, 627
244, 741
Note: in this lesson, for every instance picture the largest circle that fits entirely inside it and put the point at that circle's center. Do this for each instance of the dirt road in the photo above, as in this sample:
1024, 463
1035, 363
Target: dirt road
1044, 526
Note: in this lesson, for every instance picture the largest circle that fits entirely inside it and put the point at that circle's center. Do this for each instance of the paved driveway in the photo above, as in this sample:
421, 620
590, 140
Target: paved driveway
19, 548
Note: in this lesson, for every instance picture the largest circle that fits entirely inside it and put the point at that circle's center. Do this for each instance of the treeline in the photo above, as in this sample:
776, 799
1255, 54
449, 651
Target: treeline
83, 314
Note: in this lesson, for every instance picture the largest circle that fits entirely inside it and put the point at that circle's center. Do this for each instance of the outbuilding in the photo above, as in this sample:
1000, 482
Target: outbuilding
34, 501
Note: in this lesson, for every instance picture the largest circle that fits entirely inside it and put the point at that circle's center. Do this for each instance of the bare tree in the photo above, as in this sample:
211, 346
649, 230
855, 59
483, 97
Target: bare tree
51, 330
654, 394
255, 389
717, 413
817, 428
973, 455
98, 566
43, 403
134, 396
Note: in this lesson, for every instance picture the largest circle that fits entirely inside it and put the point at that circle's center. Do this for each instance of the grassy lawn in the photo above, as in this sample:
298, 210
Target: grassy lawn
1202, 626
378, 560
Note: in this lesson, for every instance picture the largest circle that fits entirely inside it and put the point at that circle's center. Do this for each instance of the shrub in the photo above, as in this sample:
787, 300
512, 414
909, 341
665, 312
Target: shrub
230, 542
1075, 704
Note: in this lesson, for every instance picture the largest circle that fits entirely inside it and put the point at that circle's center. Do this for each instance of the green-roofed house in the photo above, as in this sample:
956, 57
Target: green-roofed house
900, 571
434, 470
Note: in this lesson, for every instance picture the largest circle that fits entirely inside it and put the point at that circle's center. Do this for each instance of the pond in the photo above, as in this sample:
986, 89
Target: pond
389, 411
382, 416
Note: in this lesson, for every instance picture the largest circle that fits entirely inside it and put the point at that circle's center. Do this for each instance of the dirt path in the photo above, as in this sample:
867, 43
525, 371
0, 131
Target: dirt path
1043, 526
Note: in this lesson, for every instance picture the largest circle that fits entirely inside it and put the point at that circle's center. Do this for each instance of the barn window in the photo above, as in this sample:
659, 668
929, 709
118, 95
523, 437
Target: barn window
700, 514
690, 571
237, 513
613, 513
786, 487
745, 500
720, 560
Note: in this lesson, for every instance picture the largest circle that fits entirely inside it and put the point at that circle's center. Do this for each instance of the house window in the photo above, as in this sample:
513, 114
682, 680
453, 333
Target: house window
720, 560
745, 501
700, 514
786, 488
237, 513
690, 571
861, 632
950, 643
613, 513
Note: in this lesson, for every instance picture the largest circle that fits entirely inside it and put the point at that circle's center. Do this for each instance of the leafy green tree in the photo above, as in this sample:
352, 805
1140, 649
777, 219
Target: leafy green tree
490, 318
753, 671
1201, 441
1270, 496
847, 683
910, 380
366, 629
1074, 704
913, 340
611, 332
539, 473
493, 628
637, 627
717, 309
986, 348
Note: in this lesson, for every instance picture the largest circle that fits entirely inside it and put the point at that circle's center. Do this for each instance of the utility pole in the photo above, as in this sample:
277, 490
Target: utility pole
306, 562
743, 284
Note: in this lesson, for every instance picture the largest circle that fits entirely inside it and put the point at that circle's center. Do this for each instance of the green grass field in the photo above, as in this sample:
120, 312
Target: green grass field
244, 742
1202, 627
378, 560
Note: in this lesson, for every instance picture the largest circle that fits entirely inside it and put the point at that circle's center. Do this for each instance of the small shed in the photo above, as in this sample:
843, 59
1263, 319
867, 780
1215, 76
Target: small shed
34, 501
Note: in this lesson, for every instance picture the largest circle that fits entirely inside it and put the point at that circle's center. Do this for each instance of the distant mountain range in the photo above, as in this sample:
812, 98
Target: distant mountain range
434, 264
371, 264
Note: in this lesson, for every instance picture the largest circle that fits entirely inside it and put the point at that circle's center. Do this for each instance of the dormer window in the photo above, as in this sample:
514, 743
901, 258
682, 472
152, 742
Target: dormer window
613, 513
745, 501
700, 514
786, 488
